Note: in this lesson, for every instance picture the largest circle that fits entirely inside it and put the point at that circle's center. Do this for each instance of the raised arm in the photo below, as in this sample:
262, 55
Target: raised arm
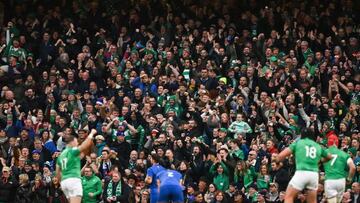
346, 89
303, 115
88, 141
283, 154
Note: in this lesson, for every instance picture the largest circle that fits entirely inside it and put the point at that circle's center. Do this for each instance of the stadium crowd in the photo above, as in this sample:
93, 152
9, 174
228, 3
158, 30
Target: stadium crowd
214, 89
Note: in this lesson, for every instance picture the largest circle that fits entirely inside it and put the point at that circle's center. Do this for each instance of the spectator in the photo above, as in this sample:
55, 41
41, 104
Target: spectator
220, 173
92, 186
116, 190
55, 192
280, 175
38, 190
23, 192
8, 185
273, 193
263, 178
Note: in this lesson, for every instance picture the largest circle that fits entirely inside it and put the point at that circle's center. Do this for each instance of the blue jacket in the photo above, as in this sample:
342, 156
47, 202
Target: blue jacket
149, 88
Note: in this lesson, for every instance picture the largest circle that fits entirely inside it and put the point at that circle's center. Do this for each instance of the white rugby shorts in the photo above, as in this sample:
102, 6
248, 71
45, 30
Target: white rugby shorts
305, 180
72, 187
335, 188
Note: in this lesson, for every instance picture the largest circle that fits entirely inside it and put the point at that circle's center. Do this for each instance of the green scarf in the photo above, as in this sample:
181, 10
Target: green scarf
110, 189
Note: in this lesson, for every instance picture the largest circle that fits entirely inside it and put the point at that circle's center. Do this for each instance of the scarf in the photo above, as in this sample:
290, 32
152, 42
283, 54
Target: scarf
109, 190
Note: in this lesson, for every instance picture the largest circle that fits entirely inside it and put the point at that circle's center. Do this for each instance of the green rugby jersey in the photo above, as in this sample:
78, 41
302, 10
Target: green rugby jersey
69, 163
337, 167
307, 154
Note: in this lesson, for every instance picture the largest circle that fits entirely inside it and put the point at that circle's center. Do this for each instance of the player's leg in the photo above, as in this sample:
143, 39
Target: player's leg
312, 186
311, 196
290, 194
332, 200
296, 184
330, 191
178, 195
341, 189
164, 194
73, 189
75, 200
154, 195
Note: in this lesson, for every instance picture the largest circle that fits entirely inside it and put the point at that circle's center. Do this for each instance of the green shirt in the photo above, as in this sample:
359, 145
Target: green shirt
336, 168
307, 154
93, 185
69, 163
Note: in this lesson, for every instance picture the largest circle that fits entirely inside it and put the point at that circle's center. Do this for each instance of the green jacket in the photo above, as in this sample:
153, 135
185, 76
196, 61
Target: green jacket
248, 177
220, 180
91, 185
263, 182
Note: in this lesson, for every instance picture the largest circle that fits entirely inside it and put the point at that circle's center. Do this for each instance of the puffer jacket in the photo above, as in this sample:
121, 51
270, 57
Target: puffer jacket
23, 194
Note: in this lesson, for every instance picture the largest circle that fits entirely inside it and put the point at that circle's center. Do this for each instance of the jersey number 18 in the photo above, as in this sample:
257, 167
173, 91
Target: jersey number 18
310, 152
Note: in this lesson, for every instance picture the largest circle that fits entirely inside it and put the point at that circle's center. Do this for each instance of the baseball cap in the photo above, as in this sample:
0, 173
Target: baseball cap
120, 133
154, 131
6, 168
253, 185
99, 137
263, 193
274, 184
223, 130
35, 151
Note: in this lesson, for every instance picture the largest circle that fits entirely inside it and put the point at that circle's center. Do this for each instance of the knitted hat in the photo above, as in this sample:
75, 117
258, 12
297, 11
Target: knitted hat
273, 59
352, 150
223, 79
100, 101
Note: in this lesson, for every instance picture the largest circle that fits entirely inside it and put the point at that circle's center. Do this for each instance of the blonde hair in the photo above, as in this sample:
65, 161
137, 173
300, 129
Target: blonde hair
24, 178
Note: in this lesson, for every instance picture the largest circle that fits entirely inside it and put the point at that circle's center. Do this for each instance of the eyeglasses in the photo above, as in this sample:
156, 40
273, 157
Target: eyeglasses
252, 154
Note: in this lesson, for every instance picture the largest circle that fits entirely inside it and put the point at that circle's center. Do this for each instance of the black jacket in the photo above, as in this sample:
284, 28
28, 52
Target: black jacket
23, 194
281, 177
7, 190
39, 195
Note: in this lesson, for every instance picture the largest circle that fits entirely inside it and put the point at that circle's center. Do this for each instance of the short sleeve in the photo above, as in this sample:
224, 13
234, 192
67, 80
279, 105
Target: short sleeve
150, 172
292, 147
179, 175
324, 153
75, 151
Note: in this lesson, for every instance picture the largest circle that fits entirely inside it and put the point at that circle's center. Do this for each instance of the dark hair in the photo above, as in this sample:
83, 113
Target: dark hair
156, 158
105, 150
308, 133
236, 141
166, 163
69, 139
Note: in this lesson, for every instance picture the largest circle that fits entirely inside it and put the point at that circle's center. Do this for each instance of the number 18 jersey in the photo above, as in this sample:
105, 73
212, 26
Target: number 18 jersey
69, 163
307, 154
